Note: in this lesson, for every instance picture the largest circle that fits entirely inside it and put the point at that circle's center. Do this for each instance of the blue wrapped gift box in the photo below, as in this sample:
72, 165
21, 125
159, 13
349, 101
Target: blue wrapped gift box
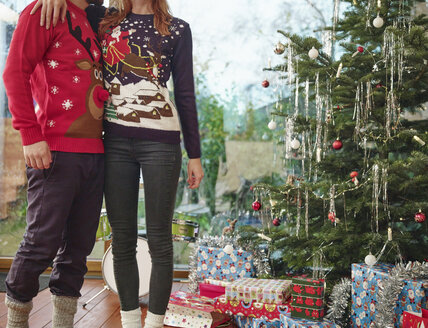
289, 322
365, 286
214, 263
251, 322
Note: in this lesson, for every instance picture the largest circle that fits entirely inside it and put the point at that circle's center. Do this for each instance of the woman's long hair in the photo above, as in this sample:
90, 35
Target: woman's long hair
162, 16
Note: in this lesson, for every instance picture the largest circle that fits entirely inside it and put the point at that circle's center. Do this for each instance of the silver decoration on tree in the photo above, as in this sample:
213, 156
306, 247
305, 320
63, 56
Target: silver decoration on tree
307, 212
318, 104
296, 99
307, 99
327, 41
298, 213
375, 195
332, 208
338, 306
289, 131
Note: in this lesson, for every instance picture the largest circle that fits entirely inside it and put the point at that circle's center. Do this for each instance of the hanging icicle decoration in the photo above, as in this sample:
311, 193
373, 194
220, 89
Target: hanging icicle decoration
385, 193
310, 153
368, 103
307, 212
327, 41
318, 103
296, 99
332, 208
375, 195
357, 112
336, 14
303, 153
290, 64
298, 213
289, 131
307, 99
370, 6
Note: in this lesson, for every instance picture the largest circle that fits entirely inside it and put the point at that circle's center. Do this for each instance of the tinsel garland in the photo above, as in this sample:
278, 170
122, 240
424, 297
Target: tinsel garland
260, 259
391, 289
339, 304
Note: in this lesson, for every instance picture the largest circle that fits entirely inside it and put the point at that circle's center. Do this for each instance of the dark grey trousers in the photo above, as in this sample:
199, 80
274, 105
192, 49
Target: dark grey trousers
160, 164
64, 204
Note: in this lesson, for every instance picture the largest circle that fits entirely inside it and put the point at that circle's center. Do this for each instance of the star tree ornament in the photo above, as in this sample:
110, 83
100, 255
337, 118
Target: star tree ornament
313, 53
420, 217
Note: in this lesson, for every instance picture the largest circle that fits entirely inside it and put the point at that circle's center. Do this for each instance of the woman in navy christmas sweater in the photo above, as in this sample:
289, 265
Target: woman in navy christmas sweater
142, 45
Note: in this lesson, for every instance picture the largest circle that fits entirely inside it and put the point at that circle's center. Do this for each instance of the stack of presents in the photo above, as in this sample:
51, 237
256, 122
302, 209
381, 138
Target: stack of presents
231, 296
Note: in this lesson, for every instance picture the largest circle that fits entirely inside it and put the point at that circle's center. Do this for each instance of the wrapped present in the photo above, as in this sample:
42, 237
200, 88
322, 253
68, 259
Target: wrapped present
221, 283
211, 291
303, 286
251, 309
289, 322
188, 310
365, 286
271, 291
415, 320
251, 322
214, 263
307, 299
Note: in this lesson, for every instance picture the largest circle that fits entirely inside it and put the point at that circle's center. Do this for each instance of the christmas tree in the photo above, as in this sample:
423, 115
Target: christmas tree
354, 143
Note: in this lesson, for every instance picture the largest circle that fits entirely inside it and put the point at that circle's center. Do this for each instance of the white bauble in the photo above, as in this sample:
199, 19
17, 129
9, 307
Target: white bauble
295, 144
228, 249
378, 22
313, 53
370, 260
272, 125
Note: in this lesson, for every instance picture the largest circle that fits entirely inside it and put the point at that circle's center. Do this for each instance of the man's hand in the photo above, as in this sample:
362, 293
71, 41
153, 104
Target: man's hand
38, 155
194, 173
51, 9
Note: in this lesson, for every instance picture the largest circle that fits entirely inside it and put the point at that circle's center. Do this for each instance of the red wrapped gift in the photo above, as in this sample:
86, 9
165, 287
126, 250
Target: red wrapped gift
415, 320
211, 291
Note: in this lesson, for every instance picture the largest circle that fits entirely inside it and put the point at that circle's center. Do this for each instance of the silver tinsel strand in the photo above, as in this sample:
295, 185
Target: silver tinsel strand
260, 260
391, 289
337, 308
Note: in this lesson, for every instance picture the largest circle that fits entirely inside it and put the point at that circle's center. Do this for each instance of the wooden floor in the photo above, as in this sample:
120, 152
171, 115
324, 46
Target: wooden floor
102, 312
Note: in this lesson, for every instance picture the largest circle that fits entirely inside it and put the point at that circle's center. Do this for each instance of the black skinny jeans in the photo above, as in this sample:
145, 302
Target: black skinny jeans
160, 164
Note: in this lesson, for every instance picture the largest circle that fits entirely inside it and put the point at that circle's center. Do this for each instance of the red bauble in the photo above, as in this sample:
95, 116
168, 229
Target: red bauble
420, 217
353, 174
360, 49
276, 222
379, 85
337, 144
256, 205
331, 216
265, 83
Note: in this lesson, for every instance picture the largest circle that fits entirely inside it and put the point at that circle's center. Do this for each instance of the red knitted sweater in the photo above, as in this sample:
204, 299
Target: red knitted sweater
60, 68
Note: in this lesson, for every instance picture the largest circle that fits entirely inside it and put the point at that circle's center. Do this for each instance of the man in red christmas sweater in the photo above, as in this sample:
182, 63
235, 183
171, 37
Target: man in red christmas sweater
60, 68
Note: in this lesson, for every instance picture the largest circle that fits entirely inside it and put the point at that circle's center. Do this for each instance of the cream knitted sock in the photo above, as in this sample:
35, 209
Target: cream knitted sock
153, 320
17, 313
64, 309
131, 319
